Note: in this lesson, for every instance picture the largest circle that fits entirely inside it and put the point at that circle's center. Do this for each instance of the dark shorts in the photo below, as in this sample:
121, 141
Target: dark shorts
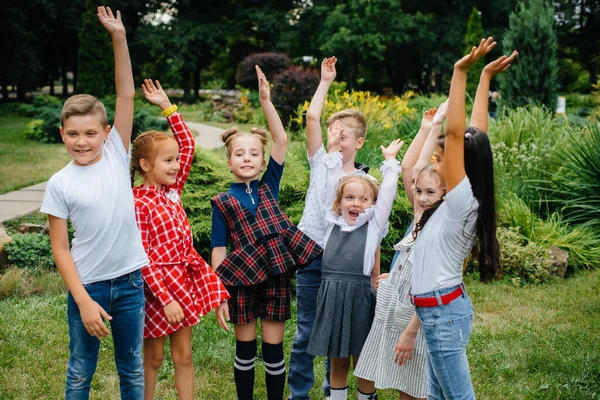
270, 300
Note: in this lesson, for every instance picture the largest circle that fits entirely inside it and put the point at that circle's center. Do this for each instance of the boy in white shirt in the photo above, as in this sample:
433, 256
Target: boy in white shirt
353, 131
102, 267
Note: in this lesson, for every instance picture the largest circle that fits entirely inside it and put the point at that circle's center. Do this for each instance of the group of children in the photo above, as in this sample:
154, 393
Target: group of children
132, 260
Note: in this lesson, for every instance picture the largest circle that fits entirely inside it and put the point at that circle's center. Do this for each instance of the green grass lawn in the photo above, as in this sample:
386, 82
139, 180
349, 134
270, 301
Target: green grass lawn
538, 342
25, 162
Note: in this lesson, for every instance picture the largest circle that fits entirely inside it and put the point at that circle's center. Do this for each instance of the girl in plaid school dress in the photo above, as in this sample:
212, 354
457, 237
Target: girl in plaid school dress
266, 249
180, 286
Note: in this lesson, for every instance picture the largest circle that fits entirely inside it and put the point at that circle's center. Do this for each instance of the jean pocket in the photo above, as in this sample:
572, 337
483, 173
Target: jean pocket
460, 327
136, 279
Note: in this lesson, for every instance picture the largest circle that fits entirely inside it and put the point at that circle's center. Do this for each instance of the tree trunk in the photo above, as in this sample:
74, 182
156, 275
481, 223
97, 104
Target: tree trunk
185, 79
65, 82
52, 85
4, 89
21, 91
196, 83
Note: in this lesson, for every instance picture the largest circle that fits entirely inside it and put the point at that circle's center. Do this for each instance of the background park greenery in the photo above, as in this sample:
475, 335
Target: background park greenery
535, 335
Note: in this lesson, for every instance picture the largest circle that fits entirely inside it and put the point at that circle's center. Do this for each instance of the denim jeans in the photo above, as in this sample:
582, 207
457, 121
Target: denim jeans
123, 299
301, 376
447, 329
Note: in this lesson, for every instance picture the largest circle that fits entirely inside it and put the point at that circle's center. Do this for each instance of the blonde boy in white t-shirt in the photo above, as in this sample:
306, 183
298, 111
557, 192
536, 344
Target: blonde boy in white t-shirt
102, 267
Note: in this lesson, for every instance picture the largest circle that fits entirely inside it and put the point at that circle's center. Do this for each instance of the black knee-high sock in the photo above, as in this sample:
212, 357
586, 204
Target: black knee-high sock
274, 370
243, 369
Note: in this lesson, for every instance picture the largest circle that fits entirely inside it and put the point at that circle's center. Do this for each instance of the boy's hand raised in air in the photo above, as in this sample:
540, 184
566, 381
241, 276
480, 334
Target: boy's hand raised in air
485, 46
390, 152
499, 65
328, 72
155, 94
334, 137
112, 24
264, 91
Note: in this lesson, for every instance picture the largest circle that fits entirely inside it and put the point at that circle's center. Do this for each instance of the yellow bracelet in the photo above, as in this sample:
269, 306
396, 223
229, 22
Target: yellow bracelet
168, 111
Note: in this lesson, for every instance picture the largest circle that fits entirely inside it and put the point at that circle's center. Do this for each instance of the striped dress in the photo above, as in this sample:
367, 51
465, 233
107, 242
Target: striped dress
393, 312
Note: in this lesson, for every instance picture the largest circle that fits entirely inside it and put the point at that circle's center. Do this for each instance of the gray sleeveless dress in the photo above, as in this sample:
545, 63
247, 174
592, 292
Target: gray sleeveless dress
392, 315
345, 302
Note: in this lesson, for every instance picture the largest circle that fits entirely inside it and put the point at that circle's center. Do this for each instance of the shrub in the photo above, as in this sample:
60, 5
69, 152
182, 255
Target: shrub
270, 63
30, 251
523, 261
34, 131
292, 87
46, 100
18, 282
26, 110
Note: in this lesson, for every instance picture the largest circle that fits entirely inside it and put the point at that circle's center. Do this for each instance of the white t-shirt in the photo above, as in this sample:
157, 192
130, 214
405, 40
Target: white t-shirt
98, 201
313, 217
445, 241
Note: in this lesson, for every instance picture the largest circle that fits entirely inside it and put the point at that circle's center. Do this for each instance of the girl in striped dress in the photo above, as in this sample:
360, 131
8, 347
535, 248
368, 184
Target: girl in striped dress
180, 286
394, 354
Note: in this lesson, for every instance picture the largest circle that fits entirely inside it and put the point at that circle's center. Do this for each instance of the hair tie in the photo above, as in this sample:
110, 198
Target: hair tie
468, 135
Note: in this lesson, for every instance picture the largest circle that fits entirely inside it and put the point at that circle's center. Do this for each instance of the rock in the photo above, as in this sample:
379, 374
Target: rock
32, 228
560, 261
4, 239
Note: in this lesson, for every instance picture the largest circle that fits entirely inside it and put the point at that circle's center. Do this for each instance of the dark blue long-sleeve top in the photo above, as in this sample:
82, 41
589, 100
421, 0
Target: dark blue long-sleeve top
272, 177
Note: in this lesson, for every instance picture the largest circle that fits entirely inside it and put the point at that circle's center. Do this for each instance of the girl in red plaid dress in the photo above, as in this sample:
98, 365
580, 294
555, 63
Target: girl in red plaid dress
265, 249
180, 286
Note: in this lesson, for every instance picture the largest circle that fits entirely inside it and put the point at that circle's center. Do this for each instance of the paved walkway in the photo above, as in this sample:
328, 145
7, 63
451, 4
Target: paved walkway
28, 200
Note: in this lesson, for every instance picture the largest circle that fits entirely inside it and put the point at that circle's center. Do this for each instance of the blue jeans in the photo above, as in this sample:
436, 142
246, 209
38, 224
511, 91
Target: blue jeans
301, 377
123, 299
447, 329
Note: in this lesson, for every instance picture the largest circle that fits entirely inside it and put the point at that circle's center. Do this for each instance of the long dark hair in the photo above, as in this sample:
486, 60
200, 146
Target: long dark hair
479, 167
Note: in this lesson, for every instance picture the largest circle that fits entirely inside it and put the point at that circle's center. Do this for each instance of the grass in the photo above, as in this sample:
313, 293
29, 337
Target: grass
536, 342
24, 162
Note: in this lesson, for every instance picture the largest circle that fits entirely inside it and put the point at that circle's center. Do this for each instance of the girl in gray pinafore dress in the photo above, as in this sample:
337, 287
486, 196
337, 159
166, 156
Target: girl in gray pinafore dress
346, 301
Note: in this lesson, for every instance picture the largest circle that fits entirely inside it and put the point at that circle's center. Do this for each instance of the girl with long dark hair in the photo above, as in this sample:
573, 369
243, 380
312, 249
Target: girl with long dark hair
447, 232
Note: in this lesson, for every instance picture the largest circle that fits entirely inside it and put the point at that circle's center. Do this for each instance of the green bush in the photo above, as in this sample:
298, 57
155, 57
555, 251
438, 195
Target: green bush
26, 110
523, 261
34, 131
30, 251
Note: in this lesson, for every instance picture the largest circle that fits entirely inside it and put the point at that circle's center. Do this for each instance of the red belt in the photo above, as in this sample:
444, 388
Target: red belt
433, 301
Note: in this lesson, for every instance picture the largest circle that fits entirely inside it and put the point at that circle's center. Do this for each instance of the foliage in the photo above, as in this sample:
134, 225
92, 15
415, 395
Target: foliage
579, 241
34, 131
576, 185
292, 87
523, 261
595, 114
573, 77
95, 61
21, 283
472, 38
534, 76
30, 251
270, 63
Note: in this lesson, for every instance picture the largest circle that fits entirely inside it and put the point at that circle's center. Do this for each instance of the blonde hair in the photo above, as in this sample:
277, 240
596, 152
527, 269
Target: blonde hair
229, 136
83, 104
429, 170
144, 147
354, 119
366, 180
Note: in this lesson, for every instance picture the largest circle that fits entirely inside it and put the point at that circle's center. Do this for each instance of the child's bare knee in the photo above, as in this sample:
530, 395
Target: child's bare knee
181, 356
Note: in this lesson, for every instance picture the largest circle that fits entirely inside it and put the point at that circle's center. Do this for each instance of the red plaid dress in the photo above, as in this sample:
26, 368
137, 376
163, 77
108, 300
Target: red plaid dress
264, 245
176, 271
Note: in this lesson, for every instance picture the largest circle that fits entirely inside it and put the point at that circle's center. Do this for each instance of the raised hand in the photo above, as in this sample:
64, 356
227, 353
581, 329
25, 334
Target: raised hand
440, 114
328, 72
390, 152
112, 24
485, 46
428, 118
334, 136
264, 91
155, 94
500, 65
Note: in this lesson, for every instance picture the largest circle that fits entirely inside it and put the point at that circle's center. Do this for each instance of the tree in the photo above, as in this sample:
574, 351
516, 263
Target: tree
534, 77
95, 60
472, 38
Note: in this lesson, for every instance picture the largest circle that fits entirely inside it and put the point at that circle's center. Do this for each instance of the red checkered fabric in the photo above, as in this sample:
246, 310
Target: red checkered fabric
265, 245
176, 271
270, 300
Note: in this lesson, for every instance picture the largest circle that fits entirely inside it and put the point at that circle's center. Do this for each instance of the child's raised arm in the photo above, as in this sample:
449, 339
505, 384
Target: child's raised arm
387, 191
479, 115
432, 137
123, 74
275, 126
314, 140
454, 151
